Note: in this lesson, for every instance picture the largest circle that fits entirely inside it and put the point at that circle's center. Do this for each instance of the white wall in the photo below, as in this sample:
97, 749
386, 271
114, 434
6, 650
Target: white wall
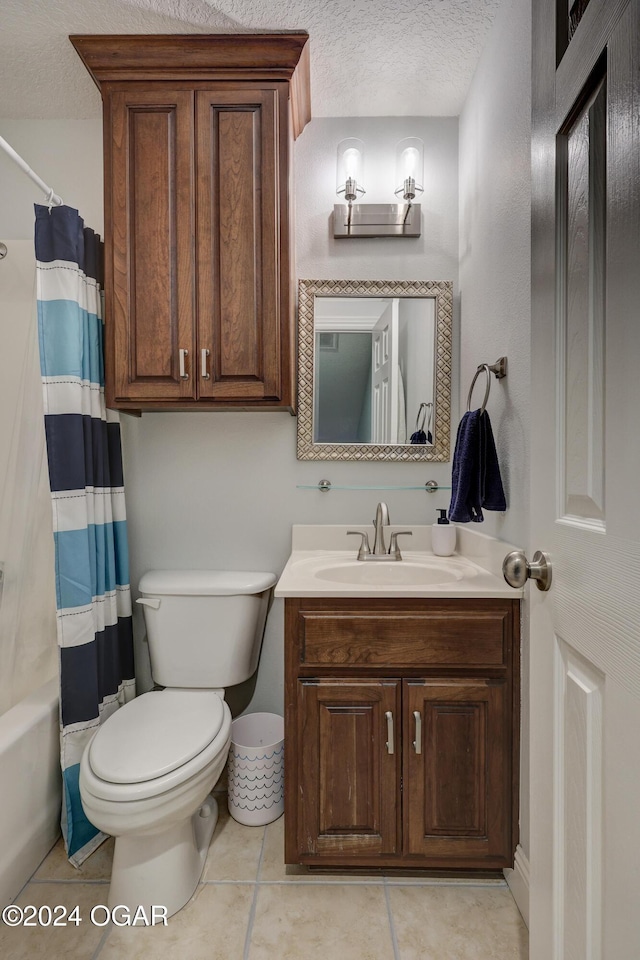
495, 198
67, 154
495, 222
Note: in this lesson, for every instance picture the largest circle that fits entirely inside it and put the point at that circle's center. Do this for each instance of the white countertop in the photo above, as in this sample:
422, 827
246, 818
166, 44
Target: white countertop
476, 565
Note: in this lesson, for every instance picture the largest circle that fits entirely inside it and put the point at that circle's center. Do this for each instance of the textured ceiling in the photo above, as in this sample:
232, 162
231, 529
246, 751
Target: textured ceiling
368, 57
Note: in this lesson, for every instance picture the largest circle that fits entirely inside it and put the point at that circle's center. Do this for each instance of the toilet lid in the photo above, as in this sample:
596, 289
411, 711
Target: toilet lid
204, 583
154, 734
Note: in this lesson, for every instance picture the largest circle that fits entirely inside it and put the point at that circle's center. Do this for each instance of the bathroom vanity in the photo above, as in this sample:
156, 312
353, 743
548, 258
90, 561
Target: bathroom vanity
401, 711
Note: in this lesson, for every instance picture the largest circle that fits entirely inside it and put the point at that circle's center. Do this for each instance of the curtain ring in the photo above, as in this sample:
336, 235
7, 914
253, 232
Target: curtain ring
485, 367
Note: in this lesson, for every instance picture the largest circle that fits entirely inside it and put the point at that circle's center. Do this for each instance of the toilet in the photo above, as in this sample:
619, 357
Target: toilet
146, 776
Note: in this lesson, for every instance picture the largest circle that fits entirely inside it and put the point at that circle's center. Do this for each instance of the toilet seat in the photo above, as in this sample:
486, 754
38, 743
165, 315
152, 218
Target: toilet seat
167, 738
155, 734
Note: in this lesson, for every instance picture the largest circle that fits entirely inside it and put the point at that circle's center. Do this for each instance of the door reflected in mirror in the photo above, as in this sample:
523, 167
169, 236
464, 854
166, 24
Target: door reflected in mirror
374, 370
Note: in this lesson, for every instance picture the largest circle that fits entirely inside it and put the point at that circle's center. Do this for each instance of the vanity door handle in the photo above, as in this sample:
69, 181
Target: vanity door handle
203, 364
417, 743
389, 743
182, 355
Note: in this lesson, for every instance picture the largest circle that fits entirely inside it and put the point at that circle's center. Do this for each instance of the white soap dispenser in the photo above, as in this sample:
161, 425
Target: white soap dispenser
443, 536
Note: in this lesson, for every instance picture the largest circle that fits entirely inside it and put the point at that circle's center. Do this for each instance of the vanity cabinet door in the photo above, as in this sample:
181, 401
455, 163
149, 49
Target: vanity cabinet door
457, 763
349, 762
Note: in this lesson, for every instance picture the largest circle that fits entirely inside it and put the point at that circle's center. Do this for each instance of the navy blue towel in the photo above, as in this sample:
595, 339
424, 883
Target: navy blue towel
475, 477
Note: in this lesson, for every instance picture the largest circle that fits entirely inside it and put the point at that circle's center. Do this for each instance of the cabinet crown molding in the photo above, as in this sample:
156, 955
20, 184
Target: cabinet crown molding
201, 57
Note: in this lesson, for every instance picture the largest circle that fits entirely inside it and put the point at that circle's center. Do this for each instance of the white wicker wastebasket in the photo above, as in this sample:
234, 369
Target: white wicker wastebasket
256, 769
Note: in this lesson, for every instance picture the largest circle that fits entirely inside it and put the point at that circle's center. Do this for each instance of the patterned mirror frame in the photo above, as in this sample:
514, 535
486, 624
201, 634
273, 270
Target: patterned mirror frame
439, 290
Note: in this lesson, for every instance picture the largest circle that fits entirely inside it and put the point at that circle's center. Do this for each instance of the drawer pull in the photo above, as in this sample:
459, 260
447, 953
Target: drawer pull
182, 355
417, 743
203, 364
389, 743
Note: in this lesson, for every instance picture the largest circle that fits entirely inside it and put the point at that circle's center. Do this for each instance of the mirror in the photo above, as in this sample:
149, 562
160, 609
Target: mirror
374, 370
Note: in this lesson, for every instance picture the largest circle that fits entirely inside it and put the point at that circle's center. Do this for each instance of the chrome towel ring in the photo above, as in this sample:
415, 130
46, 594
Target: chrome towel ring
499, 368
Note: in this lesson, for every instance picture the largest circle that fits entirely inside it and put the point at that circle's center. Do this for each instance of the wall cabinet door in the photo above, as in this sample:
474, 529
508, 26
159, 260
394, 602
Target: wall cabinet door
348, 796
238, 243
457, 770
149, 261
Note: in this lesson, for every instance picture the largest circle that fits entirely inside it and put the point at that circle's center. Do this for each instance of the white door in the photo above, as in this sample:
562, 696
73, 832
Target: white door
384, 378
585, 632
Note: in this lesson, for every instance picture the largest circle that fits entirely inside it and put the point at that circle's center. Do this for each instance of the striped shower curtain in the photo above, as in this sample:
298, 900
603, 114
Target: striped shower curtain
89, 523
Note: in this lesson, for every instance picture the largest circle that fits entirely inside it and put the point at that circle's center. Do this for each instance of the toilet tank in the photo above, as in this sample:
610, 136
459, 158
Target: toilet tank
204, 627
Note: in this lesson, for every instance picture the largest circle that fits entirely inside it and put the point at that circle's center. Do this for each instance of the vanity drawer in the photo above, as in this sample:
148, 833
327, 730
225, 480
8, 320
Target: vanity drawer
420, 633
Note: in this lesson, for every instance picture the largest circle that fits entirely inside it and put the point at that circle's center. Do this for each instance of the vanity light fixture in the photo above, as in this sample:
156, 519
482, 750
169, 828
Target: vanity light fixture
409, 168
350, 169
359, 220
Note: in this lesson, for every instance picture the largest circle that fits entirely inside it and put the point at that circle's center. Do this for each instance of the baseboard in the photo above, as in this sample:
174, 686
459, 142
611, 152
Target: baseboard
518, 880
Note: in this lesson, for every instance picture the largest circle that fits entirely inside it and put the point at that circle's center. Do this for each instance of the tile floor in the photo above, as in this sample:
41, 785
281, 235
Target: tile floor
250, 907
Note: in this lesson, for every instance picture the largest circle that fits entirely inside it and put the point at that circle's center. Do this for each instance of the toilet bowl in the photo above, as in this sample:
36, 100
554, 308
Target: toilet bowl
147, 774
163, 823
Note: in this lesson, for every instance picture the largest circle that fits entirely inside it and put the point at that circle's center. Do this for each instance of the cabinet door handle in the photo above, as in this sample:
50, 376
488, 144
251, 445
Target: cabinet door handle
417, 743
389, 743
203, 364
183, 354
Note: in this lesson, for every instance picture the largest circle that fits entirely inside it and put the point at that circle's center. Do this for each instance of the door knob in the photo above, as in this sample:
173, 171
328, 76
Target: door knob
517, 569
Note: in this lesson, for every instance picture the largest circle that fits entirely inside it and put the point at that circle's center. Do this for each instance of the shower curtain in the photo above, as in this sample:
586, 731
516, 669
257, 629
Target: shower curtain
28, 650
89, 523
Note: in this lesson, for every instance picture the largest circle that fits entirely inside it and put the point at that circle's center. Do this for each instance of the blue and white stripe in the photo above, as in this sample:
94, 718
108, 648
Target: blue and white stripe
87, 495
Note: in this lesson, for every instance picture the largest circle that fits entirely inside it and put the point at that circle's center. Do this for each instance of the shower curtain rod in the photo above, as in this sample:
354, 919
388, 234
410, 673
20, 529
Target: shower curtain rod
52, 197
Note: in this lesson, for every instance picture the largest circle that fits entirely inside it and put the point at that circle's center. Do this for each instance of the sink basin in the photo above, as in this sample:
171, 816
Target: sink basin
381, 573
323, 563
418, 571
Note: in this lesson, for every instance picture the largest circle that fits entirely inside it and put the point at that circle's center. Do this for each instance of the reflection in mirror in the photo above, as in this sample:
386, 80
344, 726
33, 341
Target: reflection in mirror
374, 371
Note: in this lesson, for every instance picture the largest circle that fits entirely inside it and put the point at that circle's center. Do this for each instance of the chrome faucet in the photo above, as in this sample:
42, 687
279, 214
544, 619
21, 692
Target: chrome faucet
381, 521
380, 551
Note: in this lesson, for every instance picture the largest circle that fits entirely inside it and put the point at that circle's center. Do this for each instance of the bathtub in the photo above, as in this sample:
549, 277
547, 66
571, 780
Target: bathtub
30, 787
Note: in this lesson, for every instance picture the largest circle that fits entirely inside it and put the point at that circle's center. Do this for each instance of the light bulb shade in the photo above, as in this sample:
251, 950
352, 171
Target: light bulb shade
350, 169
409, 168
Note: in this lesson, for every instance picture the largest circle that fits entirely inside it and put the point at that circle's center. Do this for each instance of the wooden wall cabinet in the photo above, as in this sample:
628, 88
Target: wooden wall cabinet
401, 733
198, 235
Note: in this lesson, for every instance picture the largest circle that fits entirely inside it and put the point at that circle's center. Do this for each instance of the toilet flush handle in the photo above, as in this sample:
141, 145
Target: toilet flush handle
149, 602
